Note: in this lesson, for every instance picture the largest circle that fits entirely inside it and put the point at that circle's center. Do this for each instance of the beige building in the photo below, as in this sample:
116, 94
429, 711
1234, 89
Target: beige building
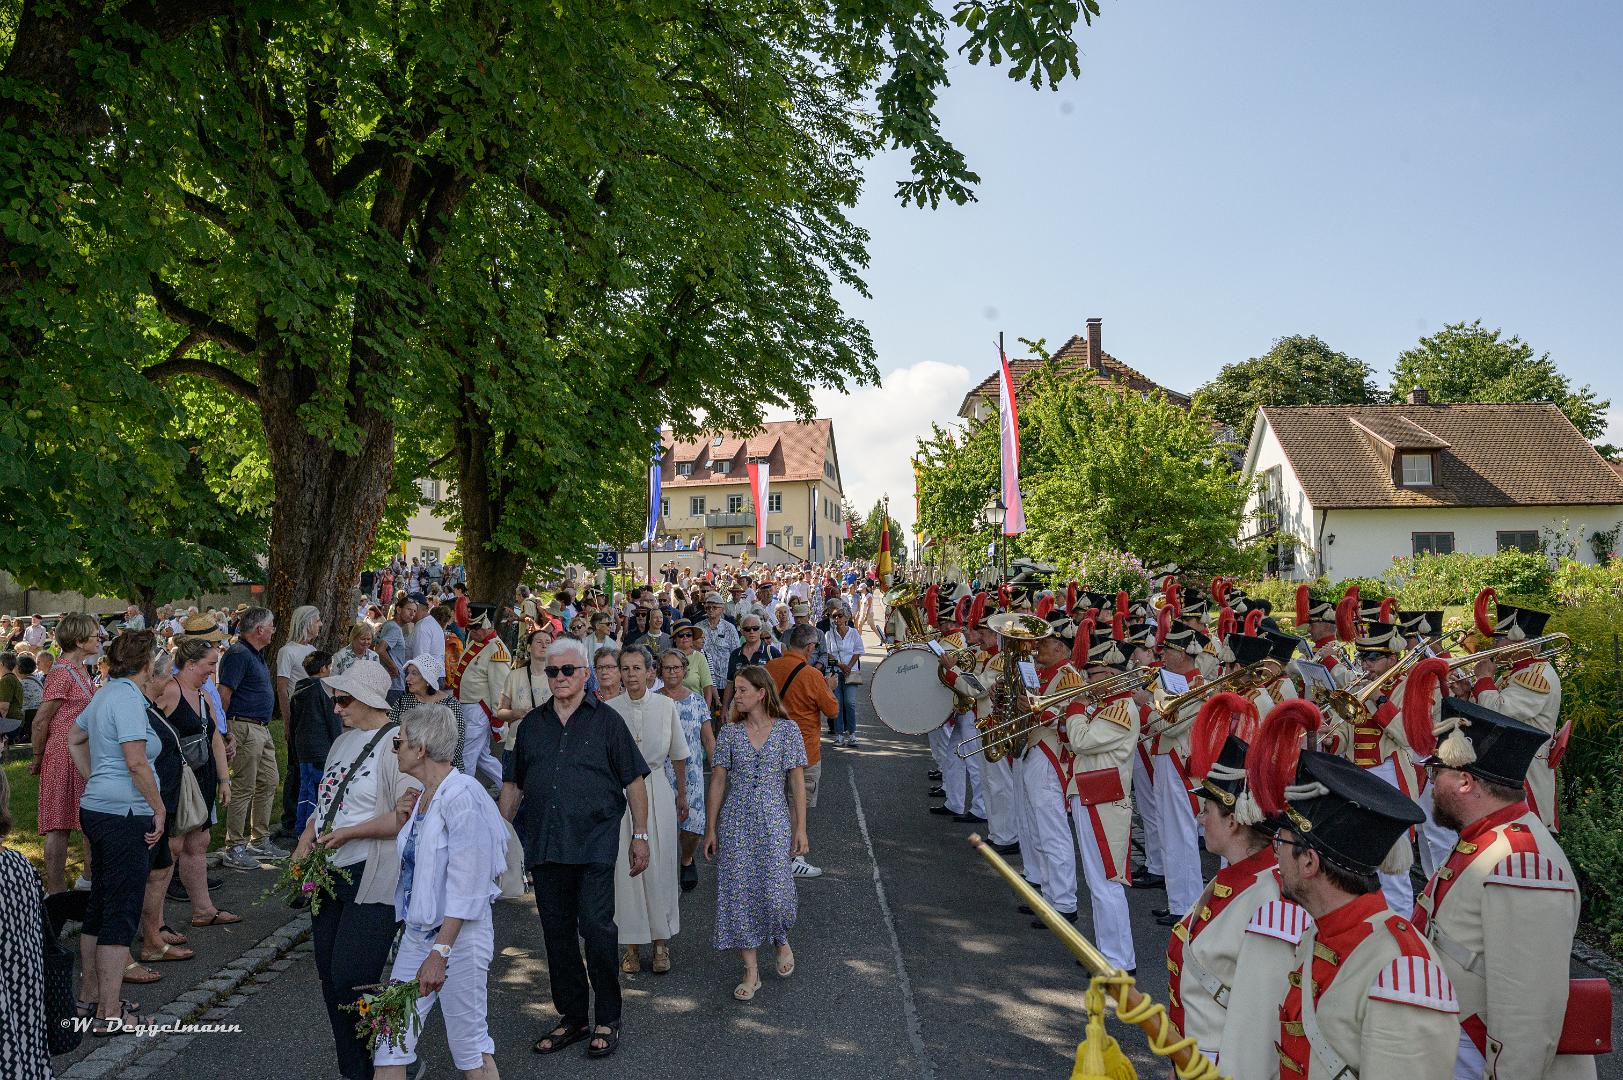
426, 532
705, 491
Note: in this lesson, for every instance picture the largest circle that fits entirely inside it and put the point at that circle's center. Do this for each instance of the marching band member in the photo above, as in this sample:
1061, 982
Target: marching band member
997, 777
1102, 737
1247, 651
1436, 841
1229, 956
1176, 807
1140, 639
1318, 619
1046, 775
1503, 909
959, 773
477, 682
1191, 613
1367, 995
1285, 648
1530, 692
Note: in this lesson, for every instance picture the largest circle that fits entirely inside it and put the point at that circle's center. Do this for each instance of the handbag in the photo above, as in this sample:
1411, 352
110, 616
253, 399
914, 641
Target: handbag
1099, 786
62, 1035
196, 748
511, 879
191, 809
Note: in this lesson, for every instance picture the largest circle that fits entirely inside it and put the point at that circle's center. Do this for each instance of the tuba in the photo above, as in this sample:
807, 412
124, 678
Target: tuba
1010, 710
903, 600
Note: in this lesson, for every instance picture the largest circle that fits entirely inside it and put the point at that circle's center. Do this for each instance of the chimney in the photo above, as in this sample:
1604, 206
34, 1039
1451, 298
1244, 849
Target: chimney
1418, 396
1096, 350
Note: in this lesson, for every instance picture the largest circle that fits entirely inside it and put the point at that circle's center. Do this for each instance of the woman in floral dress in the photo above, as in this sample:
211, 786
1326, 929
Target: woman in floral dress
694, 715
67, 691
754, 828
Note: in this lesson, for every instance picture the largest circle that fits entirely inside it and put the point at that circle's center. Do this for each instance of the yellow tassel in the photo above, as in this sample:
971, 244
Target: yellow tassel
1099, 1056
1456, 751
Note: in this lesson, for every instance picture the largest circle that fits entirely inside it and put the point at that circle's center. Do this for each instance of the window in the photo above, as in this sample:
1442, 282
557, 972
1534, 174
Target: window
1519, 540
774, 502
430, 490
1417, 472
1433, 543
774, 539
430, 554
721, 467
664, 508
828, 468
684, 468
696, 505
735, 538
800, 541
716, 441
735, 503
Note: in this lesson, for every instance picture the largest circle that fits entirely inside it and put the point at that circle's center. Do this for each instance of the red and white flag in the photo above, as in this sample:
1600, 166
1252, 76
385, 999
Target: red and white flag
760, 477
1014, 516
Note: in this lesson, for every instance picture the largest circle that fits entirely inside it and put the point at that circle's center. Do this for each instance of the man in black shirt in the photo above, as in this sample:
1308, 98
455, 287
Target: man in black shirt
572, 771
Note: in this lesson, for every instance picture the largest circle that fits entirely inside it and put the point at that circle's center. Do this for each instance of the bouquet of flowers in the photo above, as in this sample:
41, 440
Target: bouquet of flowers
390, 1013
306, 880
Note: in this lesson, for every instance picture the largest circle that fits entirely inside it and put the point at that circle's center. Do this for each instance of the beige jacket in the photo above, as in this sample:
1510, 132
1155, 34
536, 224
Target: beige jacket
1533, 696
1104, 737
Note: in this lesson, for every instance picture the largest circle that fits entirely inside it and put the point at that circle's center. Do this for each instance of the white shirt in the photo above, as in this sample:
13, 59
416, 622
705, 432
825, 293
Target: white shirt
290, 661
361, 801
843, 647
428, 638
452, 880
35, 634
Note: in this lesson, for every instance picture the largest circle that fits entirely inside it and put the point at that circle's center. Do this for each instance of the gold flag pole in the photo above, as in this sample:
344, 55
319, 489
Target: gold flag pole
1132, 1006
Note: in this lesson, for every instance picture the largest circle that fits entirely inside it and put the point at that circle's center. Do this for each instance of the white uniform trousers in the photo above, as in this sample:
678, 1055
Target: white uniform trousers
1397, 888
463, 998
961, 773
477, 760
997, 782
1031, 863
1436, 842
1112, 926
940, 738
1180, 837
1149, 811
1051, 830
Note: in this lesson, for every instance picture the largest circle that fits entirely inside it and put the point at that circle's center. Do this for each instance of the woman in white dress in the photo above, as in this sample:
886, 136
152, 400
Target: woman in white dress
526, 686
645, 906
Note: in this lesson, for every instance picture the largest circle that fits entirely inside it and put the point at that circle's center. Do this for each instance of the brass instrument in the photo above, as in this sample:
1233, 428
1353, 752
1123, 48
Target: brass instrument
1019, 632
1258, 675
1547, 647
1167, 706
1338, 650
903, 600
1352, 703
1018, 727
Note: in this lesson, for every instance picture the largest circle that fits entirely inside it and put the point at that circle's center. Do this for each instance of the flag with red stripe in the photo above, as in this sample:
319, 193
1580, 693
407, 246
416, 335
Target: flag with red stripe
1014, 516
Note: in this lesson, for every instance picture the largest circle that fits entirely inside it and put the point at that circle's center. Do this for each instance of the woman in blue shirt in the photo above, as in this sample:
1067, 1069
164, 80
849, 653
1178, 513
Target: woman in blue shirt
122, 814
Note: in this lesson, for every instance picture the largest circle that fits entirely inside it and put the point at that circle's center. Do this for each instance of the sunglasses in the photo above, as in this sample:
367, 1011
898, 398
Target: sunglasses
566, 670
747, 629
342, 700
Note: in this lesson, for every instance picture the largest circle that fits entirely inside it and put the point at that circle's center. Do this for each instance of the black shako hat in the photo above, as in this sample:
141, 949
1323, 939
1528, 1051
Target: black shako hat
1348, 814
1486, 743
1282, 647
1248, 650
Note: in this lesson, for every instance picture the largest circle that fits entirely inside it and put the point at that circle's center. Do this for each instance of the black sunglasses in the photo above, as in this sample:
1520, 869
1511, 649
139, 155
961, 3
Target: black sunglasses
342, 699
566, 670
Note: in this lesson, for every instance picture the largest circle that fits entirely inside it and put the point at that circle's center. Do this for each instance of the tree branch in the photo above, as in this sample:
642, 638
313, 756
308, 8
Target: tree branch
207, 208
179, 363
211, 328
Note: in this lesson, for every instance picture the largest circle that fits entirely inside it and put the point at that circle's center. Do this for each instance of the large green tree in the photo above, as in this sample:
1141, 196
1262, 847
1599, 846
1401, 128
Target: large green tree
958, 476
866, 531
1297, 370
1467, 362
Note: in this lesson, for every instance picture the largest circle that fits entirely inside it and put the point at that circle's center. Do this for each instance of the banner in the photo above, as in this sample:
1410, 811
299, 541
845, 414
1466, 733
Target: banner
760, 478
1014, 517
883, 569
655, 465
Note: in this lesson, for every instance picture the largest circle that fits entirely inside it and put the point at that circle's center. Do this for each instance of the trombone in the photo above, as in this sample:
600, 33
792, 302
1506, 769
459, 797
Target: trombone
1167, 706
1016, 727
1545, 648
1352, 703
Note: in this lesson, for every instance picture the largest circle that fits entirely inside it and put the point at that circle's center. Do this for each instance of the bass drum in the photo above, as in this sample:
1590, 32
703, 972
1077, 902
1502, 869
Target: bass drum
907, 691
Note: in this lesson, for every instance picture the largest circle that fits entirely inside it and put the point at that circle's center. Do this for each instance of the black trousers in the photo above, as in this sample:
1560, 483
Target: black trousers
576, 901
352, 946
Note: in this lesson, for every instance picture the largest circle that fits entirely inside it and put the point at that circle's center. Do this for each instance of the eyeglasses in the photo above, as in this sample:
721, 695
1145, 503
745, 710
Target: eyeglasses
396, 741
683, 633
747, 629
1434, 767
566, 670
1276, 842
342, 700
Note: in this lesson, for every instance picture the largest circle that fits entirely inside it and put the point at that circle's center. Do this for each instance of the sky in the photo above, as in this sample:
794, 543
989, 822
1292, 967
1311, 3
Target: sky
1222, 175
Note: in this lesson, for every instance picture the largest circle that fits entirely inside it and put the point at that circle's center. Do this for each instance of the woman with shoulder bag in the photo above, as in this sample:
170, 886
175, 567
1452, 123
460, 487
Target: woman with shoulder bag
362, 802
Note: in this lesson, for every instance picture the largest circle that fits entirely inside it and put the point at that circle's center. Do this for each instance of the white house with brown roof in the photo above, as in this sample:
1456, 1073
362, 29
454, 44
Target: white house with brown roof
1355, 486
705, 490
1079, 354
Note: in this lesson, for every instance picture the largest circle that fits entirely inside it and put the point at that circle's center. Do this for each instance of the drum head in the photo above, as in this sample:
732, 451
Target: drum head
908, 693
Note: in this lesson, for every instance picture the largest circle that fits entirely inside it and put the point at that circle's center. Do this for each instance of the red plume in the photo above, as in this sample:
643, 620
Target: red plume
977, 610
1175, 602
1118, 626
1215, 721
1082, 645
1226, 621
931, 610
960, 611
1388, 607
1253, 622
1070, 599
1163, 623
1169, 584
1347, 617
1270, 763
1479, 612
1004, 593
1418, 687
1045, 605
1220, 589
1123, 602
1304, 604
1092, 614
1352, 591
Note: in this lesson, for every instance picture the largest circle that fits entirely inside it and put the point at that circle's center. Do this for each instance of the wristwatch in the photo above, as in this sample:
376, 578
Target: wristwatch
443, 950
640, 836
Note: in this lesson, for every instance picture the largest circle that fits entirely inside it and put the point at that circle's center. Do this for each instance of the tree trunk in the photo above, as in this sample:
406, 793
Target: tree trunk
494, 572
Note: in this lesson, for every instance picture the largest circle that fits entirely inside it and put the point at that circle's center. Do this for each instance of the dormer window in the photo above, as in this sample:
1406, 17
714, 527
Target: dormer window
721, 467
684, 468
1417, 470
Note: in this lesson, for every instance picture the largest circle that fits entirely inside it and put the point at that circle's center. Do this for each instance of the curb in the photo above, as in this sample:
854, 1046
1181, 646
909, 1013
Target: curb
197, 1003
1601, 962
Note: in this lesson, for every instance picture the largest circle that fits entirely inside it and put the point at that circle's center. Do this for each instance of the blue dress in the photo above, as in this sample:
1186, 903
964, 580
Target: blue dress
755, 887
693, 714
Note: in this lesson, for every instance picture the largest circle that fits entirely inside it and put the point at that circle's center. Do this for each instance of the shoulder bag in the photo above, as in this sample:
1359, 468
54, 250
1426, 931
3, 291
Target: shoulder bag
301, 900
62, 1035
191, 809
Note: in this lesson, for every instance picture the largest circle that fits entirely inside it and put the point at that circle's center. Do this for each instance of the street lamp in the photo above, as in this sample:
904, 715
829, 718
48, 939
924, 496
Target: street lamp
992, 515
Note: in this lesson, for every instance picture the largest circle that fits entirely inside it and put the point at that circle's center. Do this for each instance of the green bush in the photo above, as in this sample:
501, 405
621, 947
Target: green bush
1577, 582
1427, 582
1593, 841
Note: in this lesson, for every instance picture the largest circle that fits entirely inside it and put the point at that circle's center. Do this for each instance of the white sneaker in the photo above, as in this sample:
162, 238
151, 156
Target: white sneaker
240, 858
801, 868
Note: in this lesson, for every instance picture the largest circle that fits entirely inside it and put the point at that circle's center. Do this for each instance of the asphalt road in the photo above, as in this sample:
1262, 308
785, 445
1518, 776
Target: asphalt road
911, 963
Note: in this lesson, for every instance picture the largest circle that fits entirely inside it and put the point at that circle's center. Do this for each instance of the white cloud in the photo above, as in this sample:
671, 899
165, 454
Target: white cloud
1614, 427
876, 430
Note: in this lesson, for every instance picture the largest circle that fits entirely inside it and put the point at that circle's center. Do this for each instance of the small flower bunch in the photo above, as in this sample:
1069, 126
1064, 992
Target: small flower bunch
306, 880
389, 1014
1103, 570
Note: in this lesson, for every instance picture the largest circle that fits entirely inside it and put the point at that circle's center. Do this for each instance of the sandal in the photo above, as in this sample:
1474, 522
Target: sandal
168, 954
561, 1036
147, 975
786, 968
124, 1024
611, 1041
176, 935
631, 962
662, 959
746, 991
87, 1009
220, 917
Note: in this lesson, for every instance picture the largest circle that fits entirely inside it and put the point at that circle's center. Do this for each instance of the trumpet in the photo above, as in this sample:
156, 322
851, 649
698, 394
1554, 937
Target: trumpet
1547, 647
1168, 706
1352, 703
1018, 726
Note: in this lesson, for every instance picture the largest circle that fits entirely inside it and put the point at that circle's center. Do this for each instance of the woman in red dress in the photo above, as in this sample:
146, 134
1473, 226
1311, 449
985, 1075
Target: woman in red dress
67, 692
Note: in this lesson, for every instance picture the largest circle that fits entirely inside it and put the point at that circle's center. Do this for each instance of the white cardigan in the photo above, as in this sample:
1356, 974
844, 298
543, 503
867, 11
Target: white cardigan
461, 851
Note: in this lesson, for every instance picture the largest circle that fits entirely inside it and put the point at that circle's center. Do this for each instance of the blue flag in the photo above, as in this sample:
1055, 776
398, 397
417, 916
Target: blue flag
654, 466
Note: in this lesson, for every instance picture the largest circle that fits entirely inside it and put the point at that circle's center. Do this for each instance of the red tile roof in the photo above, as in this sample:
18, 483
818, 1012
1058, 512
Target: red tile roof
1072, 355
795, 450
1525, 454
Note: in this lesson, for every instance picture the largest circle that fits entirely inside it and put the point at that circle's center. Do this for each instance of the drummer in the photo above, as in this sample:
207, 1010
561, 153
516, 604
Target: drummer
969, 691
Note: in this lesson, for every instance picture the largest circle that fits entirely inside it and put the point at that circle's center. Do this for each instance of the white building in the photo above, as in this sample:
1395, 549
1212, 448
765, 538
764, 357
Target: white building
1348, 488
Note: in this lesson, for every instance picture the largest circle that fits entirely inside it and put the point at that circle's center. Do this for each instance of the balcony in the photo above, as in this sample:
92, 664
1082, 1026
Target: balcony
744, 519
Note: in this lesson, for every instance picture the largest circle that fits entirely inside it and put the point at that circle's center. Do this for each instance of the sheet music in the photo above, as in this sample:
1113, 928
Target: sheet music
1315, 675
1172, 683
1028, 672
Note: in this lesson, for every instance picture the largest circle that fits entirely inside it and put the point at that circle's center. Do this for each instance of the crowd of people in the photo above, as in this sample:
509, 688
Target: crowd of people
598, 748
